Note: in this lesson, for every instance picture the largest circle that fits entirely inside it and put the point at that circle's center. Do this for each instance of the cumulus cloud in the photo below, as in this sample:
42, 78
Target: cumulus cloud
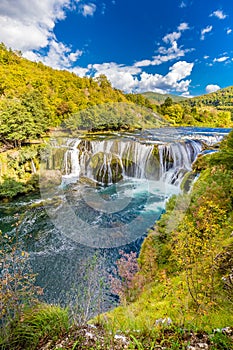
26, 27
121, 76
186, 94
171, 52
229, 31
221, 59
59, 56
183, 26
174, 80
171, 37
212, 88
80, 71
219, 14
206, 30
132, 79
87, 9
29, 28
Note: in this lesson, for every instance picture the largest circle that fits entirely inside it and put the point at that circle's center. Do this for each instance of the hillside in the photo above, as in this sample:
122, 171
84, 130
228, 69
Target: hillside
185, 263
35, 97
222, 98
214, 109
160, 98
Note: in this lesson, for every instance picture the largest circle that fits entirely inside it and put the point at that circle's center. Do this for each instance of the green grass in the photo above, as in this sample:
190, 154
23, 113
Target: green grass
168, 299
34, 324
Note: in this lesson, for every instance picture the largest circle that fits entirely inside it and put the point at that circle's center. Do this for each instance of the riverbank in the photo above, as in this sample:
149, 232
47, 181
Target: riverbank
185, 269
186, 260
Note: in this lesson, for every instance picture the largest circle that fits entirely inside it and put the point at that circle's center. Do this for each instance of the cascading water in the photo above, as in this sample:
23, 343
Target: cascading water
141, 170
71, 166
107, 161
111, 160
176, 159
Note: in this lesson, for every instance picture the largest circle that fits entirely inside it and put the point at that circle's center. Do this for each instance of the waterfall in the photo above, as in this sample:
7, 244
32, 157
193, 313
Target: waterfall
108, 161
71, 164
33, 167
176, 159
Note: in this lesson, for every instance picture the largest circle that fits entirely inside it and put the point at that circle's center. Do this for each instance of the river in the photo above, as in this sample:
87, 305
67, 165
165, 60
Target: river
99, 195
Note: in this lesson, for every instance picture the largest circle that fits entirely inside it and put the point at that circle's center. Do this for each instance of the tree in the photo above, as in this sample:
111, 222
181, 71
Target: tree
168, 102
16, 124
103, 82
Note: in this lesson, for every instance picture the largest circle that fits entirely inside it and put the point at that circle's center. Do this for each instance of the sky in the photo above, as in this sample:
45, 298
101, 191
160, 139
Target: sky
183, 47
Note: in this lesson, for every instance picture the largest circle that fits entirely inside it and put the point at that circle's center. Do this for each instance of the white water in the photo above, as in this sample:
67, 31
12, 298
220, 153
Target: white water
72, 226
176, 159
132, 159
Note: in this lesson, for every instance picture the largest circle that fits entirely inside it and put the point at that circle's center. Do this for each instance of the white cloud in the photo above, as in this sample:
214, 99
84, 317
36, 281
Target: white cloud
221, 59
186, 94
169, 55
87, 9
173, 81
171, 37
30, 27
212, 88
81, 72
207, 29
59, 56
25, 26
132, 79
219, 14
173, 51
180, 70
229, 31
183, 26
122, 77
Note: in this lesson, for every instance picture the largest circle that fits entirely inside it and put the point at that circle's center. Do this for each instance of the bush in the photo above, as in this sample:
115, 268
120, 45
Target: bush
10, 188
17, 287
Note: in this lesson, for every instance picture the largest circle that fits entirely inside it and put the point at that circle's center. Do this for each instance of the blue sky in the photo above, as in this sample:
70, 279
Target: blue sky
169, 46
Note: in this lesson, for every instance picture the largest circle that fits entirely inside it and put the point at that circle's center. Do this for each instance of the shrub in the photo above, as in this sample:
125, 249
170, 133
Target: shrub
126, 282
17, 287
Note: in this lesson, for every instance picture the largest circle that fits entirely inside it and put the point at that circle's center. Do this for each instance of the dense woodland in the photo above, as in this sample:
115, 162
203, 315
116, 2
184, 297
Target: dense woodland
35, 98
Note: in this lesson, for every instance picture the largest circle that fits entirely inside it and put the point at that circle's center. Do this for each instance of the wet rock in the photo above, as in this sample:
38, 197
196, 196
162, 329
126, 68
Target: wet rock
106, 168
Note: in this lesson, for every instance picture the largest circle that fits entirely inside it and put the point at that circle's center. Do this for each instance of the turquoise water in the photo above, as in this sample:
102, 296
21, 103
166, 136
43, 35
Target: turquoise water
63, 227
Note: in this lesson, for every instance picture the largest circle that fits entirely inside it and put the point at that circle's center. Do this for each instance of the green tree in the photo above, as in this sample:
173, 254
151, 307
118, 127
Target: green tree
16, 124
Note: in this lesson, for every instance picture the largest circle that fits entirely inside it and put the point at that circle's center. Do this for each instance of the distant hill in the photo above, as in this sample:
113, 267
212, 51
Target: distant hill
160, 98
213, 110
221, 99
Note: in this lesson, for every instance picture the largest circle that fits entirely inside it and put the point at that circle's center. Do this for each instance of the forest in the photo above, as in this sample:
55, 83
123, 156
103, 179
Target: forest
36, 98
